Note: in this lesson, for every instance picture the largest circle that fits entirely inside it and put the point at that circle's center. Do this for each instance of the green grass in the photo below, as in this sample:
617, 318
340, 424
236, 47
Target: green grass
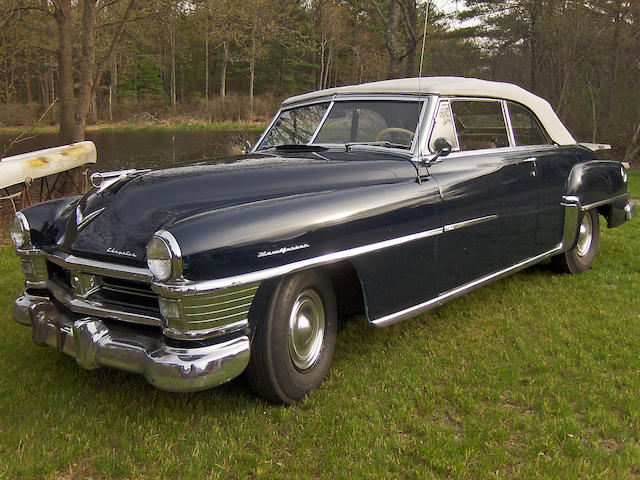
534, 376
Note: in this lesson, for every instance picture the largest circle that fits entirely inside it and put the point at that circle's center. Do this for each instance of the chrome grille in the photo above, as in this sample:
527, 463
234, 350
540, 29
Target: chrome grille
108, 297
213, 313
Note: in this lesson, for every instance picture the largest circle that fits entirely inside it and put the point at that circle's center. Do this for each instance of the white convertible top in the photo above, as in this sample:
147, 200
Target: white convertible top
455, 87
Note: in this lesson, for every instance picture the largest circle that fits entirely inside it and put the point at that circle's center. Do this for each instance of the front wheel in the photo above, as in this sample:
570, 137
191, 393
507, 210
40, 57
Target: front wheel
294, 338
580, 257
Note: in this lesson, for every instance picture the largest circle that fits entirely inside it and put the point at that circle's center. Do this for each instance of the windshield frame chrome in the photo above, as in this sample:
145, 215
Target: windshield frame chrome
426, 112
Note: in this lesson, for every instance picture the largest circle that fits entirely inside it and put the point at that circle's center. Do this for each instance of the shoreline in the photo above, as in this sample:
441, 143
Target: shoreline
148, 126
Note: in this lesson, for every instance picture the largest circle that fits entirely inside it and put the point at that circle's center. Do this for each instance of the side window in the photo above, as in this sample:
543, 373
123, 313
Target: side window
480, 124
443, 126
526, 127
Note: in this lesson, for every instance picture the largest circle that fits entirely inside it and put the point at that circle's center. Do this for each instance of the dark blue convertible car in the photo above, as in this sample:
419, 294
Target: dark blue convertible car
386, 199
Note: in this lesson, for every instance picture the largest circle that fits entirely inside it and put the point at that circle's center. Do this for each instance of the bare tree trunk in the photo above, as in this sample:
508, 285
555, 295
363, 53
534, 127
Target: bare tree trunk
411, 20
223, 73
87, 67
533, 44
65, 69
633, 149
613, 60
323, 43
93, 110
206, 58
252, 69
27, 81
328, 67
281, 73
51, 82
6, 82
172, 46
113, 85
594, 113
392, 41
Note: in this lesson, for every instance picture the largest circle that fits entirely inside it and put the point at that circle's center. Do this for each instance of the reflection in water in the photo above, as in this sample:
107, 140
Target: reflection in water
148, 149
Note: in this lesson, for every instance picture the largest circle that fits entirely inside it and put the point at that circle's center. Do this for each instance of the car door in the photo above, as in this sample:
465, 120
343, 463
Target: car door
553, 164
488, 190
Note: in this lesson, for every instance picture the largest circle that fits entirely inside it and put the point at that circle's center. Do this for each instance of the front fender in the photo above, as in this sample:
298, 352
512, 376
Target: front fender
48, 220
266, 235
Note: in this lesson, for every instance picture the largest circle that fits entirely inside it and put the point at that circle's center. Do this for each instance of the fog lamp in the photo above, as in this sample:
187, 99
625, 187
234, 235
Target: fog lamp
27, 267
171, 310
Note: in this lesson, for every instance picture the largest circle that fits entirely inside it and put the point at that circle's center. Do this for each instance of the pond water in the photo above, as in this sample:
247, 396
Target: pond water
148, 149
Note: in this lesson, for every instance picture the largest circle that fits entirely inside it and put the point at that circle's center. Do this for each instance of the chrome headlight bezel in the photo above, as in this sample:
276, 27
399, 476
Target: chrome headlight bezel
164, 258
19, 230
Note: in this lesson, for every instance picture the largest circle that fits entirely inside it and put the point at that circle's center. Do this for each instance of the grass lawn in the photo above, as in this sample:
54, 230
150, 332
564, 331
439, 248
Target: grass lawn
534, 376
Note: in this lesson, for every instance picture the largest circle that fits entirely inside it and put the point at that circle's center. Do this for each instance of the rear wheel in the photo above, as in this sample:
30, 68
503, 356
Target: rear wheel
294, 338
580, 257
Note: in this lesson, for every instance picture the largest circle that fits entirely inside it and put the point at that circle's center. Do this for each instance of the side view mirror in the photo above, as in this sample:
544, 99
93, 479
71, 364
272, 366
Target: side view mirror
443, 147
247, 147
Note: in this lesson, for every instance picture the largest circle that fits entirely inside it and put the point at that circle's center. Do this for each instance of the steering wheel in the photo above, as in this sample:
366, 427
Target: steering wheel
395, 131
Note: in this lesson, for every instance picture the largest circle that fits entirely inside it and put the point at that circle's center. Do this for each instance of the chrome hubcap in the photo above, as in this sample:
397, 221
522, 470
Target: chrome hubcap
585, 236
306, 329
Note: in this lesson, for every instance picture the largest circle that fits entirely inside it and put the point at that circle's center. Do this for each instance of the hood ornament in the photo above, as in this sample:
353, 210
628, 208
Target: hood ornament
103, 180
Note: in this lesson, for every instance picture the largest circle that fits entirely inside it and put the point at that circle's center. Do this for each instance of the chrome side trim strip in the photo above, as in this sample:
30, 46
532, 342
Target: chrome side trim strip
174, 291
584, 208
468, 223
180, 289
456, 292
98, 267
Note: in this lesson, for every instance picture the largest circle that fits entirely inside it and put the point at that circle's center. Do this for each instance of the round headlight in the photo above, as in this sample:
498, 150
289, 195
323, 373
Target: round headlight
19, 230
159, 258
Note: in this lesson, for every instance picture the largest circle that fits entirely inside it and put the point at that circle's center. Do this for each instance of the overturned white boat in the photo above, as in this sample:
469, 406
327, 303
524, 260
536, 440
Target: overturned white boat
24, 168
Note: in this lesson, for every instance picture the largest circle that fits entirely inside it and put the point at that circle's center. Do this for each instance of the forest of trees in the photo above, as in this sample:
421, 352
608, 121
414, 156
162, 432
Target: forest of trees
124, 60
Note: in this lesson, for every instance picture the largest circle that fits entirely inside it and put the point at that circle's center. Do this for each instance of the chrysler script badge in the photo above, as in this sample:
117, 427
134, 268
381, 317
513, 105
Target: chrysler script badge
120, 252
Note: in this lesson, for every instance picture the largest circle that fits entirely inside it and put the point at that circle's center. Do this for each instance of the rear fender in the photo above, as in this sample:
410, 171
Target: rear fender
600, 184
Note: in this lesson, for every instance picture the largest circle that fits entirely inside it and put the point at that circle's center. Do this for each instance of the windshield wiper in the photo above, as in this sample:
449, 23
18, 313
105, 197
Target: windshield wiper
292, 147
347, 146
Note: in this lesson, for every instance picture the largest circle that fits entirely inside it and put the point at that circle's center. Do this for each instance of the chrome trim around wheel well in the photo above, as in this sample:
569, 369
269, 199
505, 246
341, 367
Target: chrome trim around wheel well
572, 210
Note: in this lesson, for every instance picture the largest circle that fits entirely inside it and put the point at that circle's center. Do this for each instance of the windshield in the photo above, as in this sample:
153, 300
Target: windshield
370, 122
295, 126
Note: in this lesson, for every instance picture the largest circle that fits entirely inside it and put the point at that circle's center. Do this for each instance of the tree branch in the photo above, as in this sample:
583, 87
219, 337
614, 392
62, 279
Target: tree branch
26, 132
407, 20
100, 70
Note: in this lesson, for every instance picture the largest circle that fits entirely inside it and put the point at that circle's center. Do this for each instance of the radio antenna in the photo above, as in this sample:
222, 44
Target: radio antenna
424, 39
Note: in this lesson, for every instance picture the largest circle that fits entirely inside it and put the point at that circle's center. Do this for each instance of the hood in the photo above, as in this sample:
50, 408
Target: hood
116, 224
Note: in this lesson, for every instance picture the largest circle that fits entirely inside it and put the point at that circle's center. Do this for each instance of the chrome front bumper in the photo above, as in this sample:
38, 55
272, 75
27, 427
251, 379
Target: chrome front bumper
94, 344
